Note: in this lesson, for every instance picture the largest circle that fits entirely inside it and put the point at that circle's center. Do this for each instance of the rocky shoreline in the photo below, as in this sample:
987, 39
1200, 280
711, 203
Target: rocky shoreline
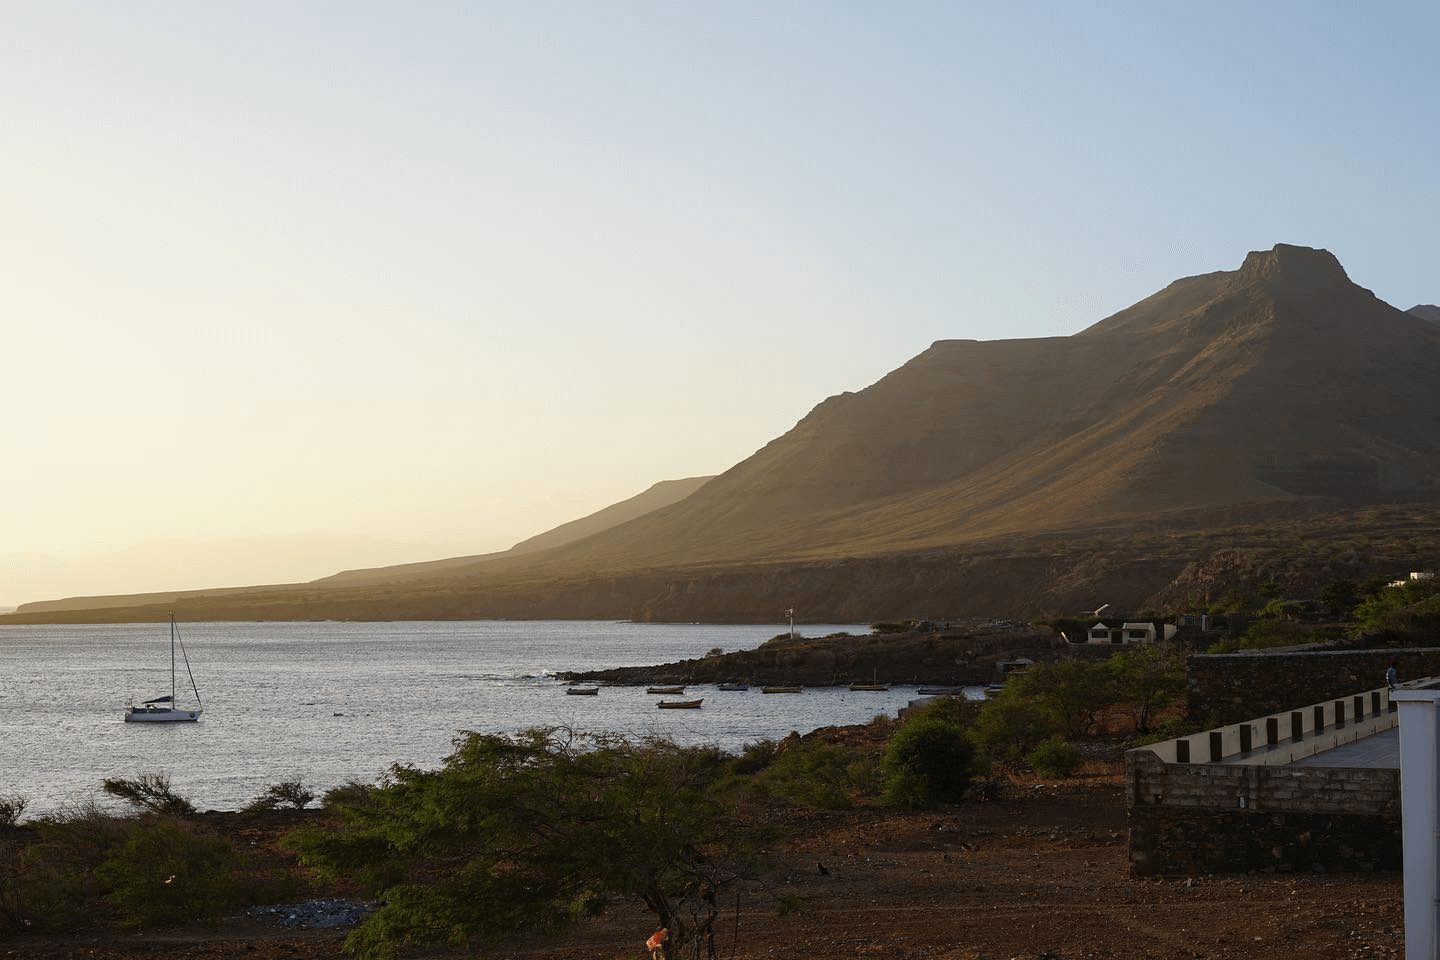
946, 655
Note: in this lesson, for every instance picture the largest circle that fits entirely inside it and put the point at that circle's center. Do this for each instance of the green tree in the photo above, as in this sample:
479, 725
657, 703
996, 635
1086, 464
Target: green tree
1014, 723
534, 832
1149, 679
1076, 692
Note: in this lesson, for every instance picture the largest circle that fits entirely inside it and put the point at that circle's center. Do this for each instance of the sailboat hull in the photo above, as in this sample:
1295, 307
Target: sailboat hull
163, 709
161, 715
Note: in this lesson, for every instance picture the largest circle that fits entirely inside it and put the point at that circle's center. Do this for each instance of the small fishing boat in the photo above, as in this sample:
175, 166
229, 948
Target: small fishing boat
732, 686
666, 690
164, 709
680, 704
781, 689
869, 686
582, 691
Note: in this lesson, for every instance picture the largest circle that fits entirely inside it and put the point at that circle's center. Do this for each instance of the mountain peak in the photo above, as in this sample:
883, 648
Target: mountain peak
1306, 265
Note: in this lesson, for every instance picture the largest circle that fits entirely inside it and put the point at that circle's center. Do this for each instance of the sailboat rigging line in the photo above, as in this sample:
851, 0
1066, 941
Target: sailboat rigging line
183, 654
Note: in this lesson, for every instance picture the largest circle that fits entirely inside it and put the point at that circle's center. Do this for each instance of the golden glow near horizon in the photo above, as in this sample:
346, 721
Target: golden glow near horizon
440, 279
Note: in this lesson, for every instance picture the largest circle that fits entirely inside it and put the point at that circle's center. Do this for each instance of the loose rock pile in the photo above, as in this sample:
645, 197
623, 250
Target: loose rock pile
322, 913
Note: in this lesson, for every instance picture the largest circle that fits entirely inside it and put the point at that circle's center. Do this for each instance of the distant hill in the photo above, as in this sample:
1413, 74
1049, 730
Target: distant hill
1425, 311
1011, 476
659, 495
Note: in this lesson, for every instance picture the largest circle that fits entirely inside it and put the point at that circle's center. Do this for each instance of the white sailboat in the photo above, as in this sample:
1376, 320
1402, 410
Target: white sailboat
165, 709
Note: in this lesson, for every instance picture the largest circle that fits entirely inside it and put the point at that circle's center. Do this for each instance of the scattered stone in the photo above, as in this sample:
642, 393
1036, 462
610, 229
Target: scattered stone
326, 912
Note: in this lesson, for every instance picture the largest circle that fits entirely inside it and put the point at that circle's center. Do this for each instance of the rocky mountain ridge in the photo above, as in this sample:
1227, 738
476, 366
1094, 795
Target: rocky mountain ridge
1010, 477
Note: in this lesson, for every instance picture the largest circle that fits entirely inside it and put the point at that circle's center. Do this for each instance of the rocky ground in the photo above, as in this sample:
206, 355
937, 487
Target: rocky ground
1040, 872
949, 654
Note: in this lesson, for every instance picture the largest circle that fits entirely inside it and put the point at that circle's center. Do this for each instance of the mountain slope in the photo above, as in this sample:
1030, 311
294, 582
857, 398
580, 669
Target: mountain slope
1275, 382
655, 497
1274, 391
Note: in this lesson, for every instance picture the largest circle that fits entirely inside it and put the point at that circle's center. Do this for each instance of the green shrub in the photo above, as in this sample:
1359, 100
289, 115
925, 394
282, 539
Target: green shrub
1170, 728
353, 793
291, 793
1055, 758
930, 759
1011, 725
815, 774
754, 757
164, 871
149, 791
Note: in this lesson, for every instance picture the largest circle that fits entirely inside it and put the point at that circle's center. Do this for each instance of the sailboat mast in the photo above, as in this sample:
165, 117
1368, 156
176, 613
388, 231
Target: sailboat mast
172, 661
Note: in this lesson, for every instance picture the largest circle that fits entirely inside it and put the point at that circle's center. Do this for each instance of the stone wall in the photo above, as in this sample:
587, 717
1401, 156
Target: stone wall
1188, 819
1233, 687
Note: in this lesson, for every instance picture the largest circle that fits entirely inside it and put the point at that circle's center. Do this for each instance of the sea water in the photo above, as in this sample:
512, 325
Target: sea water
328, 703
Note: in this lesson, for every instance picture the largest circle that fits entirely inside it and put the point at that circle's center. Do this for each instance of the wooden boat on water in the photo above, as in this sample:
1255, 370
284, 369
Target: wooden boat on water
666, 690
582, 691
781, 689
870, 686
733, 686
680, 704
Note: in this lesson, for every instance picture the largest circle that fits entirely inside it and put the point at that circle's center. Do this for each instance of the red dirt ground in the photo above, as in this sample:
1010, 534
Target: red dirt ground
1039, 873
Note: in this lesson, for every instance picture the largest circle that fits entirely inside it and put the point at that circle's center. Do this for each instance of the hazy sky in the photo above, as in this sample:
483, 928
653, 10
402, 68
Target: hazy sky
454, 273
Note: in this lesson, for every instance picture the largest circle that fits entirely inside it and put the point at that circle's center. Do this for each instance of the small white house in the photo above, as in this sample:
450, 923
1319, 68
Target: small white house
1142, 631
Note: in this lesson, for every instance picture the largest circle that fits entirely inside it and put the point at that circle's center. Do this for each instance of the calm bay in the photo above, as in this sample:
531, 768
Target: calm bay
331, 702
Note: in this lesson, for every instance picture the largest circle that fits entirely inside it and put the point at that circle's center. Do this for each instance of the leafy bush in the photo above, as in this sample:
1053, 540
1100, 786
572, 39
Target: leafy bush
52, 881
351, 793
1012, 724
931, 758
815, 774
149, 870
1410, 610
1171, 728
12, 807
291, 793
534, 832
166, 872
755, 756
1055, 758
149, 791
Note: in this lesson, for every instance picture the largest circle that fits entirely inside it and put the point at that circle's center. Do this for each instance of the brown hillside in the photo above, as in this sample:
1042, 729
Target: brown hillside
1012, 477
1276, 382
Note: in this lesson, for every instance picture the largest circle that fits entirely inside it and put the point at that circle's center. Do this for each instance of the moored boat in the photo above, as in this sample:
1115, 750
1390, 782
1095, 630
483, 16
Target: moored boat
733, 686
680, 704
582, 691
666, 690
781, 689
869, 686
164, 709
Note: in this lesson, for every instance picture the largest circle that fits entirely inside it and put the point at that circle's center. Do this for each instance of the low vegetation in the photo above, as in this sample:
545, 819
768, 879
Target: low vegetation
539, 830
144, 870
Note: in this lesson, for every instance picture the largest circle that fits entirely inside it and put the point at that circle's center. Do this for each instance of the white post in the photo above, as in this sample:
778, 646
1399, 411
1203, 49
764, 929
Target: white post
1420, 815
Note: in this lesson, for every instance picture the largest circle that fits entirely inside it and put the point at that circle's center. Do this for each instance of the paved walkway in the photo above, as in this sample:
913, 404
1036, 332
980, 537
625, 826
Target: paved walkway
1377, 750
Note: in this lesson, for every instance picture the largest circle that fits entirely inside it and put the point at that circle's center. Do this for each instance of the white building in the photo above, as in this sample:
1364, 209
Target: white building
1419, 709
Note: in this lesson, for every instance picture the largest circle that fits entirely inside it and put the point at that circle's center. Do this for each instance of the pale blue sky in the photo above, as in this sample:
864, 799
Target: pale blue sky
455, 273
